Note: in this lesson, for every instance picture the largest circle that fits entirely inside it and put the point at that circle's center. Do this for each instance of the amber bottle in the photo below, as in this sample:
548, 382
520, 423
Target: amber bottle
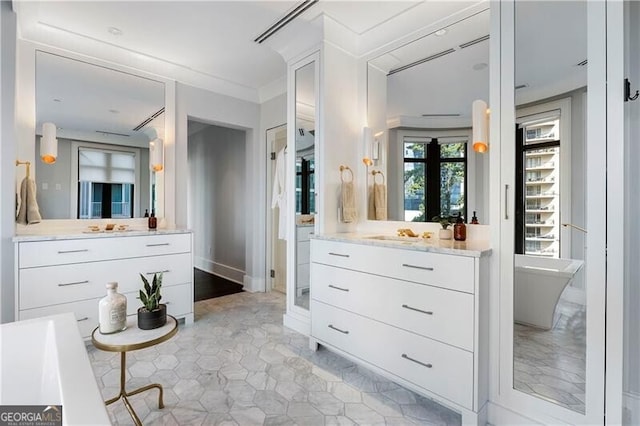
459, 229
153, 221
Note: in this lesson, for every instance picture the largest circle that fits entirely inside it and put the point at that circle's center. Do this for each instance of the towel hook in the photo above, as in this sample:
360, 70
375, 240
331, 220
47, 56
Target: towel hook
27, 163
375, 173
342, 170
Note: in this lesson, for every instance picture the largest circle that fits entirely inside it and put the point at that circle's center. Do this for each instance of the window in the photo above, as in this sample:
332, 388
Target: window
305, 186
538, 170
435, 176
106, 181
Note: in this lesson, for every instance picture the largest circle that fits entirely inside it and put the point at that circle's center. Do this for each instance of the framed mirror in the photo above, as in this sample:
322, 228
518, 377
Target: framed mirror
419, 99
305, 208
105, 120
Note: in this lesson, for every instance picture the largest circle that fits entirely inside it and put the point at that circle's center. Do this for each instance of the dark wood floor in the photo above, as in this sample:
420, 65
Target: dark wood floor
208, 286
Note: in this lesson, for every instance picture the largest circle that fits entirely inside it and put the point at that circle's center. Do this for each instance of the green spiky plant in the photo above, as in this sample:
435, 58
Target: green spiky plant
151, 296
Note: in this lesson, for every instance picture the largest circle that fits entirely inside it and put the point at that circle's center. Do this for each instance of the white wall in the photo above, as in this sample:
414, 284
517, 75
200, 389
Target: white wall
213, 108
217, 188
7, 158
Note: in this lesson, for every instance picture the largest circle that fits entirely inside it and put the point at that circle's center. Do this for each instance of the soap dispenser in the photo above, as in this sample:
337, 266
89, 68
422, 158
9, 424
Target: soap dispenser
459, 229
153, 221
474, 219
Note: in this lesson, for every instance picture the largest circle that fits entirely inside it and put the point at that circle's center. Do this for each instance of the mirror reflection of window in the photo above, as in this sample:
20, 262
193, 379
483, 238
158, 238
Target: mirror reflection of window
106, 182
435, 171
305, 186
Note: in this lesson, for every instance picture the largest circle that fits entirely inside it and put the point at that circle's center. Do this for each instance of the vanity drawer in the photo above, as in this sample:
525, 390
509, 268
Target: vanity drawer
52, 285
440, 270
60, 252
440, 368
177, 298
303, 232
86, 313
443, 315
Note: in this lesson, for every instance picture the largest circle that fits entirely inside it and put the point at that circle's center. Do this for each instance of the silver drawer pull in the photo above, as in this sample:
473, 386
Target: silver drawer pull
417, 310
338, 288
83, 319
157, 245
72, 251
405, 356
158, 272
167, 303
425, 268
337, 329
73, 283
338, 254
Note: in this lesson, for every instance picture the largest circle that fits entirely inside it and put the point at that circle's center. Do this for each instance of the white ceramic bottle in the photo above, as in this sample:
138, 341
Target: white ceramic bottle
112, 310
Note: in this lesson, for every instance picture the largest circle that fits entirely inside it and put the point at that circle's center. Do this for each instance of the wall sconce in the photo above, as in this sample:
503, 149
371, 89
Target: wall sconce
156, 155
48, 143
371, 146
480, 122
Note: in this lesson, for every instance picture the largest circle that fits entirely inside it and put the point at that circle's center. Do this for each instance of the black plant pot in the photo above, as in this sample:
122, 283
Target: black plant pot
148, 320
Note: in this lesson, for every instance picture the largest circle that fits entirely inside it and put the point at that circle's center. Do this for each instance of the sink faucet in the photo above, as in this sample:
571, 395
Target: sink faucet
575, 227
406, 232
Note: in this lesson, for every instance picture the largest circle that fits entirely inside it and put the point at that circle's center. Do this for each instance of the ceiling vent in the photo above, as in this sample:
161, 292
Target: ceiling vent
106, 133
476, 41
149, 119
421, 61
582, 64
306, 4
441, 115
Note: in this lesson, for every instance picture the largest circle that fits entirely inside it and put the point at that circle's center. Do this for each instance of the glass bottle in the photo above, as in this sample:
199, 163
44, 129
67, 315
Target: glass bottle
112, 310
459, 229
146, 212
474, 219
153, 221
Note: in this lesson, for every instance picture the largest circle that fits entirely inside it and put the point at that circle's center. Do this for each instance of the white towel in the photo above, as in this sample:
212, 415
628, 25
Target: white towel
29, 211
349, 213
380, 200
279, 193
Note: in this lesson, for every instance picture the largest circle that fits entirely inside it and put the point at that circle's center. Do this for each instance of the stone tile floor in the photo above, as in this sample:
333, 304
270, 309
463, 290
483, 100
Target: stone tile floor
551, 364
237, 365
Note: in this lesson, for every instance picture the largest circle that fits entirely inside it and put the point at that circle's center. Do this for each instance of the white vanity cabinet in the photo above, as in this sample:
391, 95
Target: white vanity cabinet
69, 274
416, 314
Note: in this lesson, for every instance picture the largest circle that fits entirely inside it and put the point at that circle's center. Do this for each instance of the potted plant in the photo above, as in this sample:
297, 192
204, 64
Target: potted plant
445, 233
152, 314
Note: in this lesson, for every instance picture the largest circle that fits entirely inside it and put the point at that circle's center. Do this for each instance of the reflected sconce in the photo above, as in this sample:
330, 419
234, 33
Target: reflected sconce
48, 143
480, 122
371, 146
156, 155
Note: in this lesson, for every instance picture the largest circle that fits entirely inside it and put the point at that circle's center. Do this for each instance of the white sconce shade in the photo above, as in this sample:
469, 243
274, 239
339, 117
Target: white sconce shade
156, 155
480, 126
48, 143
367, 140
375, 147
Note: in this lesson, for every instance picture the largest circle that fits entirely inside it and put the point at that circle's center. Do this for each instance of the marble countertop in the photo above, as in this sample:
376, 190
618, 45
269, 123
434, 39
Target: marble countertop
433, 245
52, 234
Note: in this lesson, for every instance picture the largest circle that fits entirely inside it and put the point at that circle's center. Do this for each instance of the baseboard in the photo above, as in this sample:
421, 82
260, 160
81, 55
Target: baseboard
295, 323
254, 285
499, 415
631, 408
227, 272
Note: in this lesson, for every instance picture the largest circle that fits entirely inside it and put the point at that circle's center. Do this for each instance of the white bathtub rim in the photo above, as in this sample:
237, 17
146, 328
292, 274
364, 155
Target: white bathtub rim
568, 271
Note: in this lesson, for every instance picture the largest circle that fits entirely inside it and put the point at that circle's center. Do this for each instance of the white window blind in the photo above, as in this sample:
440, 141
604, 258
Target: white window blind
106, 166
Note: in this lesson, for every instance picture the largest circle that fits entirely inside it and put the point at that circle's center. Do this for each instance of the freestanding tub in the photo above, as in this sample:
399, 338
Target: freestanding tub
539, 282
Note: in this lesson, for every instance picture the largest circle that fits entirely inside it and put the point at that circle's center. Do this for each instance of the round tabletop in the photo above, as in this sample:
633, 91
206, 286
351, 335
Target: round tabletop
133, 338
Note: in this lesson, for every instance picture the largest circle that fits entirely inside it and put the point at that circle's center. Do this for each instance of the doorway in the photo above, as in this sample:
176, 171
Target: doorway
276, 237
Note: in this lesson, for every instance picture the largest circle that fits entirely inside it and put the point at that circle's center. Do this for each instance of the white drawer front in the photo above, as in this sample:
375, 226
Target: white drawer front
439, 368
303, 232
52, 285
61, 252
303, 252
86, 313
178, 298
444, 315
440, 270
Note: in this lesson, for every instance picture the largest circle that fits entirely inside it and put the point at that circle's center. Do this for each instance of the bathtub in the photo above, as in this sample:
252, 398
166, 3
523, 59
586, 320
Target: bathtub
539, 282
43, 361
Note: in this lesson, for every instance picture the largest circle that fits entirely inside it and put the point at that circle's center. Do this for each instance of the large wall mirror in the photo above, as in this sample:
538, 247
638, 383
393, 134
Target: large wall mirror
105, 120
551, 218
305, 136
419, 99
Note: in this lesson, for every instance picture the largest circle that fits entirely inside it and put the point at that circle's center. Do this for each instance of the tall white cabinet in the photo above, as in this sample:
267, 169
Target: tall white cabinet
69, 273
416, 313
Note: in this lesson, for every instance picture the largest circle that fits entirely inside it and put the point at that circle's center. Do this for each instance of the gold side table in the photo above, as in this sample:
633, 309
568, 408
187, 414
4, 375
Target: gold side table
128, 340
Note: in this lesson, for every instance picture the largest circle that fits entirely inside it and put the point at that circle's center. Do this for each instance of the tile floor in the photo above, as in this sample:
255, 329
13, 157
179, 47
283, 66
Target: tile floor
237, 365
550, 364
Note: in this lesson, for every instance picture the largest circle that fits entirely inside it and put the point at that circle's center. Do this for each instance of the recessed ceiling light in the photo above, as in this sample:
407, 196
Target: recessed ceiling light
114, 31
114, 111
441, 32
480, 66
